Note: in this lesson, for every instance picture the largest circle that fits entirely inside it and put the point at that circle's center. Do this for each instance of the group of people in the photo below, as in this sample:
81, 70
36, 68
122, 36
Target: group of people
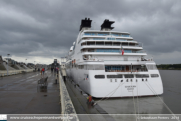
55, 70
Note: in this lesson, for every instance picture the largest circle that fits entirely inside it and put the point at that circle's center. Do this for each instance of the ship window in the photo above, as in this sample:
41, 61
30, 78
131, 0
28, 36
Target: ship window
154, 75
99, 43
129, 76
116, 44
127, 51
114, 76
115, 34
111, 39
114, 68
87, 33
102, 34
99, 76
124, 44
125, 35
142, 76
90, 43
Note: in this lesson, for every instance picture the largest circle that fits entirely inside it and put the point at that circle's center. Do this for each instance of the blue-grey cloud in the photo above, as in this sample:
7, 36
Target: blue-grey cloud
47, 28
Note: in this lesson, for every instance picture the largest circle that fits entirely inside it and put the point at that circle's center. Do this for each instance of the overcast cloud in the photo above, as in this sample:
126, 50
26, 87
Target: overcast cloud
41, 30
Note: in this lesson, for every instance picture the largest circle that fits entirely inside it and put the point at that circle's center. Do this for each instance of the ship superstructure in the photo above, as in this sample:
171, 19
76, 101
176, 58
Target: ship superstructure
106, 63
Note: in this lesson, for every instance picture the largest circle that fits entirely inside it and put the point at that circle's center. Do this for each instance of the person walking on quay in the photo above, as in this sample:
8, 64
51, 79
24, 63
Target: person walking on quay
43, 71
51, 69
57, 70
90, 98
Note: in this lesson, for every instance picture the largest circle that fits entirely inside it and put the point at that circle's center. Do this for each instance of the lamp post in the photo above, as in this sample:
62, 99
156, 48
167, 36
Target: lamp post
25, 64
8, 64
34, 64
25, 61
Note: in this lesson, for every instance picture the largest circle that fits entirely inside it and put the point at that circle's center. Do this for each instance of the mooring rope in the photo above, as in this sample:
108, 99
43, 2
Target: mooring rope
154, 92
137, 99
134, 102
110, 93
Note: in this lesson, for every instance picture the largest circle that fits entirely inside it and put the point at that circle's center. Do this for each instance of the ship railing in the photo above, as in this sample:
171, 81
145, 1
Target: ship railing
126, 70
140, 51
93, 59
112, 51
111, 44
147, 59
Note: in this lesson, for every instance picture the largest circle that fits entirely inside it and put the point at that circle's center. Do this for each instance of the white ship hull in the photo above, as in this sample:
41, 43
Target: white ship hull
105, 88
109, 63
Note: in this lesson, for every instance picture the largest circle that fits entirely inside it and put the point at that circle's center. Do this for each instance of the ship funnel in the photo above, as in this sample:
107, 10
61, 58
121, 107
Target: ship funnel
85, 24
106, 26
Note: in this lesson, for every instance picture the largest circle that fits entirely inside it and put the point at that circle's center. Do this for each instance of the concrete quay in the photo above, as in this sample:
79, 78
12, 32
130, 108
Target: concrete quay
20, 94
74, 102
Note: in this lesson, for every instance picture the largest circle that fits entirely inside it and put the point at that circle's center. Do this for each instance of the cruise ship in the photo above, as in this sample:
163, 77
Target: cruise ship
107, 63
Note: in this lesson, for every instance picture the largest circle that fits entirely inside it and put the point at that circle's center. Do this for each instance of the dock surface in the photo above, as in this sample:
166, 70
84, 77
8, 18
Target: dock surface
19, 94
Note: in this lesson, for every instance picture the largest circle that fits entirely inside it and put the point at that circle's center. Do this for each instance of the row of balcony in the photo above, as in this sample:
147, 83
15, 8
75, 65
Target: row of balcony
107, 39
111, 44
111, 51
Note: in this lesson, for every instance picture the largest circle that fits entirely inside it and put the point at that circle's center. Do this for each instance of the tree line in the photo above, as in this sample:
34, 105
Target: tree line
169, 66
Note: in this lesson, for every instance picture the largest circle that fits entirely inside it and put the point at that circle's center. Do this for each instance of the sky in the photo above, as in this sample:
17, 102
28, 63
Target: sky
42, 30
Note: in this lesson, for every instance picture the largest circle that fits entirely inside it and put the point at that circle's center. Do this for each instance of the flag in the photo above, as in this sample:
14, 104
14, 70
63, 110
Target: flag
122, 51
87, 77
